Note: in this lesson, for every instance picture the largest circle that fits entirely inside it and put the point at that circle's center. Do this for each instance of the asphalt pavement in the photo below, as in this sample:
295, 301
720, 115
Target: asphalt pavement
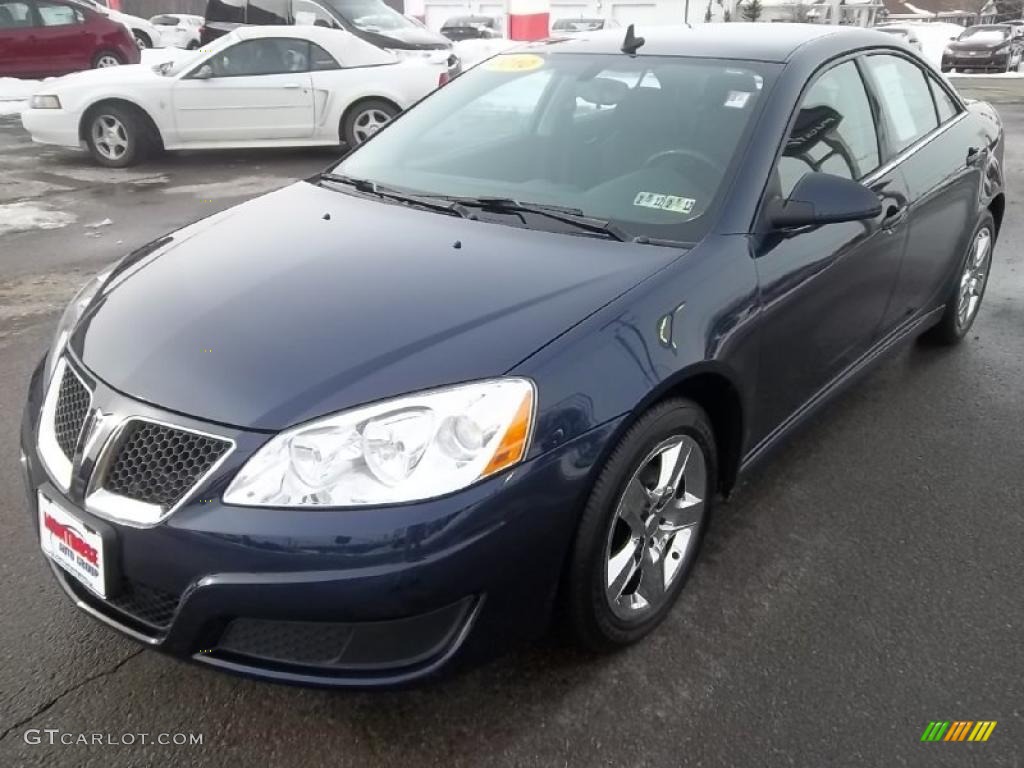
864, 582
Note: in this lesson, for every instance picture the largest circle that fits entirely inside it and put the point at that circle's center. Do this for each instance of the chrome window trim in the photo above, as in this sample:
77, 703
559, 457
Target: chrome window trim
57, 465
912, 149
140, 514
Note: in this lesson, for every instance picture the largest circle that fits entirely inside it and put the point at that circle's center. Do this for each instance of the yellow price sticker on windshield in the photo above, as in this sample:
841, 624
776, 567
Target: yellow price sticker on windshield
517, 62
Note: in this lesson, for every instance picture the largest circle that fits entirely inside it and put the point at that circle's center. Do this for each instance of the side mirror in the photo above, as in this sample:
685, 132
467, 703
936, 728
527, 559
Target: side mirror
821, 198
205, 72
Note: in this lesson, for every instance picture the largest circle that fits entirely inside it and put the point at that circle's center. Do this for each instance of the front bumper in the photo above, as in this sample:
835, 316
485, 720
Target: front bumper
984, 62
356, 597
52, 126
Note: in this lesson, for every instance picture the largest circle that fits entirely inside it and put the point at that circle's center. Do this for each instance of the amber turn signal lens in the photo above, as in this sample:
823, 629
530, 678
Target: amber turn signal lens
512, 447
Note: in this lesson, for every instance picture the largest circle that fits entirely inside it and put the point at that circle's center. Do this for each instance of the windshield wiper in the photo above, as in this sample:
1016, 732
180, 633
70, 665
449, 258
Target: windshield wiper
388, 193
560, 213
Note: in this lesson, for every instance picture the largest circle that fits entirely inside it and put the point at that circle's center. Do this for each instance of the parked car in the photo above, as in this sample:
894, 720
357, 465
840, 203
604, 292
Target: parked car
904, 33
255, 87
178, 30
459, 28
43, 38
583, 25
145, 34
371, 20
416, 407
985, 47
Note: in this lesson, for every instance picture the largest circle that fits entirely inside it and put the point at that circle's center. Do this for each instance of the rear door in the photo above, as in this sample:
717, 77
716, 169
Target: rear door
256, 90
62, 37
824, 290
929, 138
18, 54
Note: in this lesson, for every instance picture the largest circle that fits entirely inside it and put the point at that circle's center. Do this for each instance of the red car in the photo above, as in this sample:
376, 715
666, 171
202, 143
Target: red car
42, 38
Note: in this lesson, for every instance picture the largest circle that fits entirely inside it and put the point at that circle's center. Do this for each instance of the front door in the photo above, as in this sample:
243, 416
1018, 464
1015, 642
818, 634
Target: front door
824, 290
255, 90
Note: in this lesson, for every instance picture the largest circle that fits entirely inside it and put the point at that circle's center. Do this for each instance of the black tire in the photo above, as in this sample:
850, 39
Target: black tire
353, 129
950, 330
128, 125
142, 39
103, 56
592, 621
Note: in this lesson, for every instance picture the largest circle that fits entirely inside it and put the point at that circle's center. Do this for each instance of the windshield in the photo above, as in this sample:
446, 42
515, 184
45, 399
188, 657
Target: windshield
644, 143
371, 15
985, 35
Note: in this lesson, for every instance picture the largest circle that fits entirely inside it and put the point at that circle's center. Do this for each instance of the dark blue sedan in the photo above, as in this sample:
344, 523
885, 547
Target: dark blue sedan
492, 370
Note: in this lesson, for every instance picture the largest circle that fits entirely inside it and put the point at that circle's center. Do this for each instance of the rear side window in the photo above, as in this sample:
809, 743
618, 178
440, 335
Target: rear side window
834, 130
57, 15
268, 12
15, 14
906, 100
229, 11
944, 104
266, 56
321, 60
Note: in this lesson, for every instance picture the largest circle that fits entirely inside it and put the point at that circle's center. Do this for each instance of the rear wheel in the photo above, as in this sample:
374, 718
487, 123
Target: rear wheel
364, 118
965, 297
106, 59
641, 529
142, 39
117, 136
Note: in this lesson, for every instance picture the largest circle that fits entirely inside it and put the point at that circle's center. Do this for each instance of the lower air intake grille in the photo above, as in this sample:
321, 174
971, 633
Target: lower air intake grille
69, 416
157, 464
147, 604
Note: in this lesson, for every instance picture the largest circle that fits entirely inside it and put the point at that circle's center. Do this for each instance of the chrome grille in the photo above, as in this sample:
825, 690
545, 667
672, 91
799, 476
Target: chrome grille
69, 415
158, 464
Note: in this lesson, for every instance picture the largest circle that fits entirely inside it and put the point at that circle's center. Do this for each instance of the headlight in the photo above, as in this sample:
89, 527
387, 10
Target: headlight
72, 314
407, 449
44, 102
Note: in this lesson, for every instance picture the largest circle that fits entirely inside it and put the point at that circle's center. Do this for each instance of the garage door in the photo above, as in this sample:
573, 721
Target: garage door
569, 10
437, 14
636, 13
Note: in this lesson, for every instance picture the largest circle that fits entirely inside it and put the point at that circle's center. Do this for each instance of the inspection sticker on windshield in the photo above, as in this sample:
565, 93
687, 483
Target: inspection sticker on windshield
516, 62
664, 202
737, 99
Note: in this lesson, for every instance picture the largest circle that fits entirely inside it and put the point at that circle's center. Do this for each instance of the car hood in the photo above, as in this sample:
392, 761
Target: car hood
406, 38
123, 75
308, 301
957, 45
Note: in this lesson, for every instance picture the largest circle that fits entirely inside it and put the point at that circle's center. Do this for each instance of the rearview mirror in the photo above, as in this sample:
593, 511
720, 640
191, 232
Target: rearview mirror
821, 198
205, 72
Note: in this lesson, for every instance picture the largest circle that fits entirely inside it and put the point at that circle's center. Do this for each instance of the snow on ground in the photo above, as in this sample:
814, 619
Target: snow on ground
934, 38
18, 217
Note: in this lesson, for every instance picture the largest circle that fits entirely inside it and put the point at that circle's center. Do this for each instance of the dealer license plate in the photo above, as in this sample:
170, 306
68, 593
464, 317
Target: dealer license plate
72, 545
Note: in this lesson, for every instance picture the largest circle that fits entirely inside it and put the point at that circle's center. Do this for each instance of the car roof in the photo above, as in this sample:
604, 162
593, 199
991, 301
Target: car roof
752, 41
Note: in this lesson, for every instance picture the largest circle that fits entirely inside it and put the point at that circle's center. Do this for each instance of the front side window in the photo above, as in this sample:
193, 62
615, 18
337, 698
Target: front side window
267, 12
58, 15
985, 35
310, 14
906, 100
646, 143
370, 15
269, 56
834, 131
15, 14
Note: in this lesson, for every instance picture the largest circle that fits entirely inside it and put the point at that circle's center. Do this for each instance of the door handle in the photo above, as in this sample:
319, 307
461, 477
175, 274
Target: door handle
975, 155
292, 86
894, 216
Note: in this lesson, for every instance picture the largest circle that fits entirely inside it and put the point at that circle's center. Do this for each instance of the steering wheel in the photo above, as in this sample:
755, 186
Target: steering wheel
688, 154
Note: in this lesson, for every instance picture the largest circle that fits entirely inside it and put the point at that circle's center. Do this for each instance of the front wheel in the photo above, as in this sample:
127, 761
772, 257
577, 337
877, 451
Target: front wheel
965, 296
116, 136
642, 526
364, 118
142, 40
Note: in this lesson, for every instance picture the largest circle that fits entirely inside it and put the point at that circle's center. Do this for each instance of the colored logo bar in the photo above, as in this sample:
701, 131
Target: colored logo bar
958, 730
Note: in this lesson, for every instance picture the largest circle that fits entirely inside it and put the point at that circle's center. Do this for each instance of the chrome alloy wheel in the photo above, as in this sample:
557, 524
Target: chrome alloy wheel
368, 122
972, 282
655, 527
110, 137
107, 60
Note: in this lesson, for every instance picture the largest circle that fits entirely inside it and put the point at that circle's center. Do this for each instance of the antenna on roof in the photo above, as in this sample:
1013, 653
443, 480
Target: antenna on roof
632, 43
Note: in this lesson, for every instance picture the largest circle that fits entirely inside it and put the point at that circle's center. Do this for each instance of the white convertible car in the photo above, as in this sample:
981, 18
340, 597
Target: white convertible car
276, 86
